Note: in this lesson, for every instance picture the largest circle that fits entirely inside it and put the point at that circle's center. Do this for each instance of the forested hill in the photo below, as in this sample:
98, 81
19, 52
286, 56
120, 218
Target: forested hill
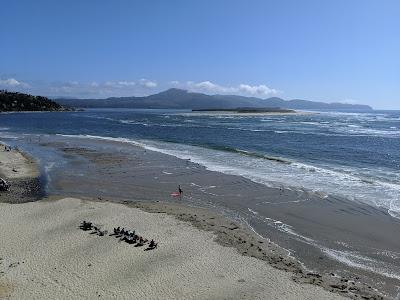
182, 99
13, 101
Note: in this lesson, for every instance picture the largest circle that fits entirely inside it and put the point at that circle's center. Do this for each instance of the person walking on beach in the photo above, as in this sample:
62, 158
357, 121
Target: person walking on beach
180, 192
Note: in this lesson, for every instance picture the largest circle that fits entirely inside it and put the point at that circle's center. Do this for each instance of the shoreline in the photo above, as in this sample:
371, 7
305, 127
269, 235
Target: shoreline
247, 243
21, 172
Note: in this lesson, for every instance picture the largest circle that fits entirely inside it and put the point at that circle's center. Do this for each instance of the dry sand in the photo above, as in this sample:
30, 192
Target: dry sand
44, 255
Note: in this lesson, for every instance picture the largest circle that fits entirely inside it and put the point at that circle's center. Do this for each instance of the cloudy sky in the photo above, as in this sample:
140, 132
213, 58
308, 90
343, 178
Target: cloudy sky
346, 51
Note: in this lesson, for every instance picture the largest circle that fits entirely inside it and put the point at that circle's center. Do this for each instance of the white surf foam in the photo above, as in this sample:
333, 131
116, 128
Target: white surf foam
322, 181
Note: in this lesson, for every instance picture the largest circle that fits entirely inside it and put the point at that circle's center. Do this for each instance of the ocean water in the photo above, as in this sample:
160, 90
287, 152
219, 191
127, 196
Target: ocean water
353, 155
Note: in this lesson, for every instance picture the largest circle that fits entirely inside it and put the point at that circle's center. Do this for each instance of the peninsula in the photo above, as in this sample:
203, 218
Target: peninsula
14, 101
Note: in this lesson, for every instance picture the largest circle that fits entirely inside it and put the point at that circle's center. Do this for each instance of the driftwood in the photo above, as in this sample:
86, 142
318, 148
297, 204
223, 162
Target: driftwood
4, 186
124, 235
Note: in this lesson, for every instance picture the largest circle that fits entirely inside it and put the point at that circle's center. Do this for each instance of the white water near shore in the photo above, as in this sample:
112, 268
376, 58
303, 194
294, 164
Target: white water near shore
276, 172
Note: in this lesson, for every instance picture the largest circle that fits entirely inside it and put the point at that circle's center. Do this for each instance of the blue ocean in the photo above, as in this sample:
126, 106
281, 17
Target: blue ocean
349, 154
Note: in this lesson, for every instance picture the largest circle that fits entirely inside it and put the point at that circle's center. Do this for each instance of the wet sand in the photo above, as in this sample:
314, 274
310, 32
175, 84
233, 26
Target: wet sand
314, 229
46, 255
22, 174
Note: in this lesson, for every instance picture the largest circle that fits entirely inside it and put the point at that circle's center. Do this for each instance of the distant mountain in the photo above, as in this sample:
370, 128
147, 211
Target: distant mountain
12, 101
182, 99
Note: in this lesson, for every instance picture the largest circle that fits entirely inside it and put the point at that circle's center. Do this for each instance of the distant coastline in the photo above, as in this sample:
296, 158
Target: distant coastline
183, 99
171, 99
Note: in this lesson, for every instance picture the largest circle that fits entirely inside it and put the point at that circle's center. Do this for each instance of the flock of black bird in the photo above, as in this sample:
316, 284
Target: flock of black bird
128, 236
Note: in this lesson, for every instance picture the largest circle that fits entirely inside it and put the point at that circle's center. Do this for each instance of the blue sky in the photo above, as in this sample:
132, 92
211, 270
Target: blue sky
342, 50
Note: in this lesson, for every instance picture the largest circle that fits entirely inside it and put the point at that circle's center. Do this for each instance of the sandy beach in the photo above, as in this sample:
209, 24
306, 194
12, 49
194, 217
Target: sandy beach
22, 173
45, 255
201, 253
14, 165
329, 235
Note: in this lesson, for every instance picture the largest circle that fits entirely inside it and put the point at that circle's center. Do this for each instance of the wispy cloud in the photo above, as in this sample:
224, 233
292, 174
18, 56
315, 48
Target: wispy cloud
110, 88
213, 88
147, 83
350, 101
12, 82
261, 90
117, 84
121, 88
